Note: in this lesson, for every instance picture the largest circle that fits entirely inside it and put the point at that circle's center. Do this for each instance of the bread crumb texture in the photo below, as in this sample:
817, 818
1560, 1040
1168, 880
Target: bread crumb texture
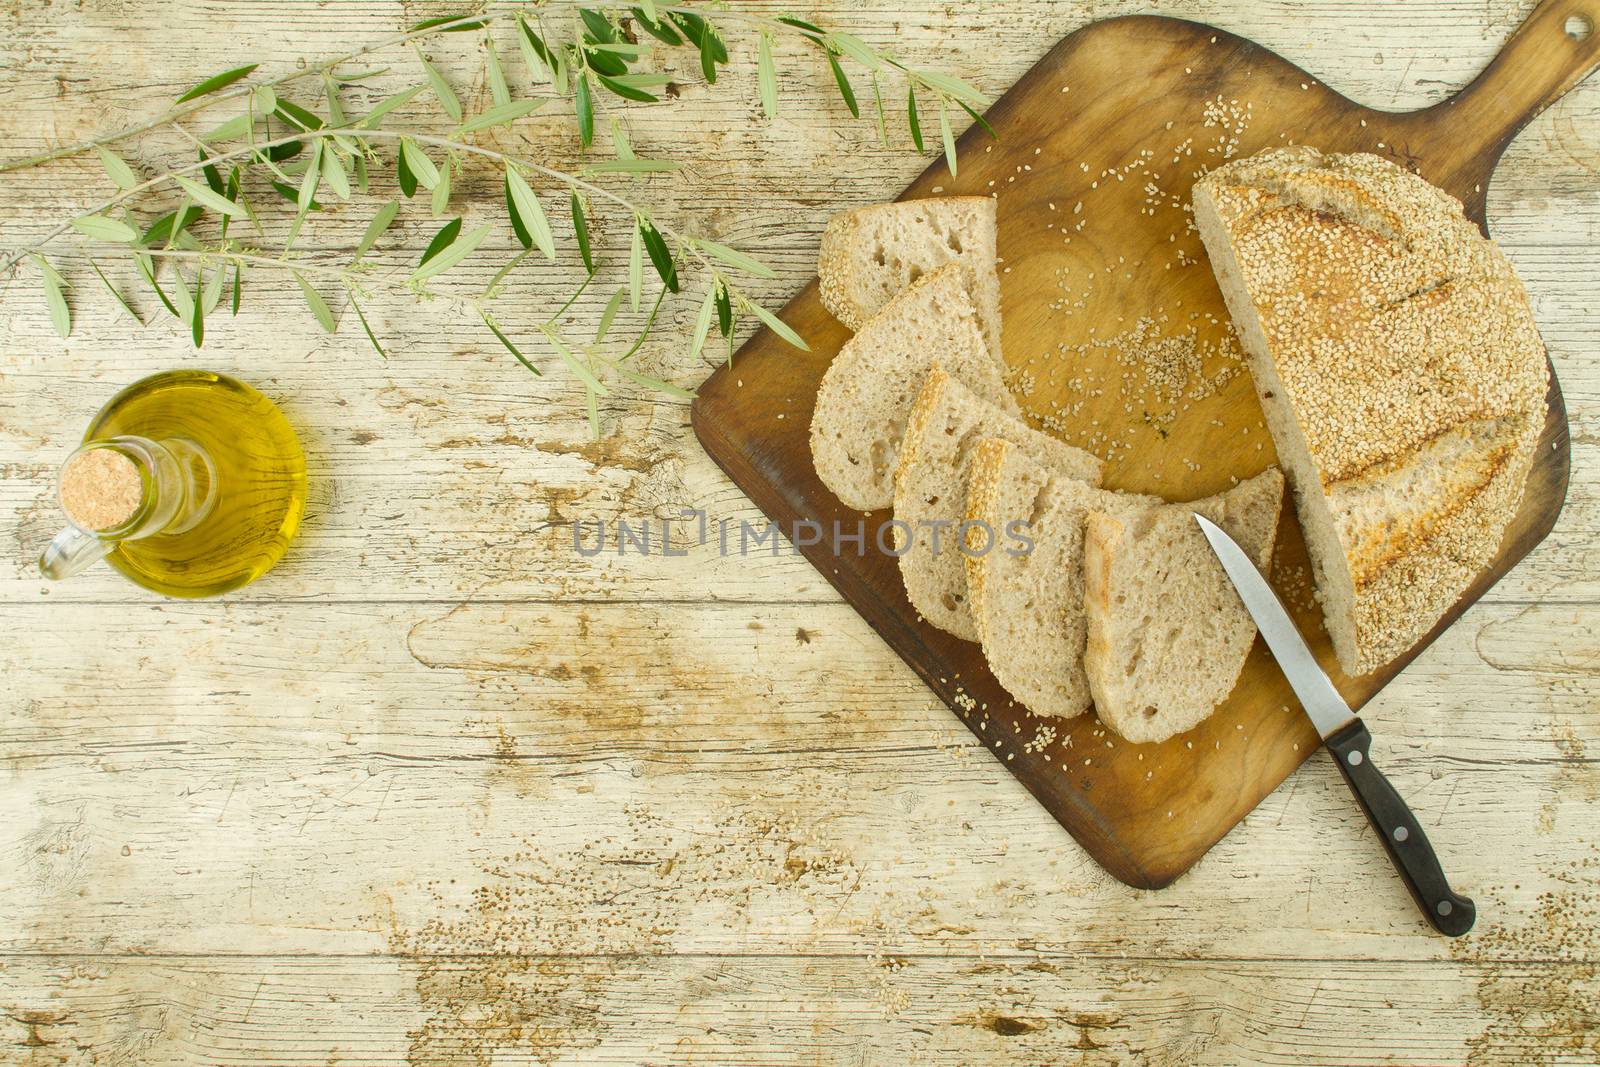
1407, 353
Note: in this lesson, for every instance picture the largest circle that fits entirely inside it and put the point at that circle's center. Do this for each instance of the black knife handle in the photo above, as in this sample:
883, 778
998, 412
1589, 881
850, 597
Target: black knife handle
1450, 913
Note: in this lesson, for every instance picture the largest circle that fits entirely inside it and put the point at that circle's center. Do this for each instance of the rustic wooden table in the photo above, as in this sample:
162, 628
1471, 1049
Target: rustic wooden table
440, 790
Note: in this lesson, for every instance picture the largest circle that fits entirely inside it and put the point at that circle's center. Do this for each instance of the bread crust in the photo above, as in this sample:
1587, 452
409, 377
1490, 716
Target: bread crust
1390, 324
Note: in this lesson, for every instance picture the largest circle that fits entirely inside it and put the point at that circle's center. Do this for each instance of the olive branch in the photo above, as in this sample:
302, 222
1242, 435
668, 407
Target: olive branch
324, 153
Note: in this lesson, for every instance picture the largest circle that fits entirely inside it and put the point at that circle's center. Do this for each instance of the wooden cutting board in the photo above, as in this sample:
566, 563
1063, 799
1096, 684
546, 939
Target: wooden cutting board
1098, 147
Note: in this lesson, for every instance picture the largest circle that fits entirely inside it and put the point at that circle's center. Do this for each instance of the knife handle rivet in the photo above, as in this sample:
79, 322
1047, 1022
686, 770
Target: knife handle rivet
1354, 759
1401, 833
1444, 907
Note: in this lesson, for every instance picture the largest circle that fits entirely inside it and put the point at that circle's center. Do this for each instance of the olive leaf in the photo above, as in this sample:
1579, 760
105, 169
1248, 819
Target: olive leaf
506, 341
580, 229
947, 136
55, 300
738, 260
203, 196
501, 115
525, 208
441, 89
366, 327
778, 326
702, 324
103, 229
117, 170
116, 293
660, 258
217, 81
376, 228
499, 91
319, 306
441, 240
419, 163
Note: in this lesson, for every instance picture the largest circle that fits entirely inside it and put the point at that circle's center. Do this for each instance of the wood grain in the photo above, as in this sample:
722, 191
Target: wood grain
1099, 193
208, 810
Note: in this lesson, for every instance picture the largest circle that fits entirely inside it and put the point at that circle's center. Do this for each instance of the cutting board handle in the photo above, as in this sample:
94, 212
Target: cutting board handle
1556, 48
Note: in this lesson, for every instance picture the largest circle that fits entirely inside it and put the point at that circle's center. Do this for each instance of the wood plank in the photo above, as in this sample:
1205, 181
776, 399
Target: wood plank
271, 787
767, 1011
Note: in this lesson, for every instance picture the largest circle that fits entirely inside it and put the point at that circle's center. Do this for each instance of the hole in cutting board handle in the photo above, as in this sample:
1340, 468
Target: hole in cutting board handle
1578, 27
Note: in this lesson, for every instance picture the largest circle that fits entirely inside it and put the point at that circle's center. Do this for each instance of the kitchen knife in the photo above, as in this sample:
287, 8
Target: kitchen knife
1347, 738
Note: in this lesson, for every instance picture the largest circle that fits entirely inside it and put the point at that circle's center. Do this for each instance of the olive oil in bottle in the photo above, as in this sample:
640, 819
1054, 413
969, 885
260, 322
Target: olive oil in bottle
188, 482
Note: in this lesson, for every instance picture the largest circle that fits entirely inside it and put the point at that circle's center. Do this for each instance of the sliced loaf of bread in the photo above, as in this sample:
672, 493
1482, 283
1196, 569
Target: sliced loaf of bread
870, 254
1400, 371
1028, 606
1167, 633
866, 395
946, 423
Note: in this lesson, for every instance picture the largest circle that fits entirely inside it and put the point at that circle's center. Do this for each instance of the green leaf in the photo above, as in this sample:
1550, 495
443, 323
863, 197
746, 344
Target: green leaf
334, 174
297, 116
263, 101
520, 228
182, 218
878, 109
654, 383
619, 140
845, 89
231, 191
103, 229
575, 364
408, 181
370, 120
441, 240
55, 300
535, 55
513, 349
116, 293
197, 309
734, 258
203, 196
330, 89
291, 194
656, 27
217, 81
777, 325
319, 306
428, 24
610, 313
376, 228
980, 120
502, 115
458, 251
636, 268
235, 127
622, 89
286, 150
801, 24
911, 117
702, 324
313, 175
492, 290
213, 295
366, 327
633, 166
948, 137
185, 300
441, 192
708, 56
117, 170
420, 164
532, 214
598, 25
499, 91
660, 257
585, 106
238, 285
591, 402
580, 227
855, 48
212, 177
441, 89
953, 87
148, 269
724, 310
766, 77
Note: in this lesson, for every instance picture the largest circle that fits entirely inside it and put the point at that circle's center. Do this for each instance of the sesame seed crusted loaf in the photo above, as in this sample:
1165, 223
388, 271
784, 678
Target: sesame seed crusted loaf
1168, 635
1400, 372
871, 253
866, 395
1028, 606
930, 485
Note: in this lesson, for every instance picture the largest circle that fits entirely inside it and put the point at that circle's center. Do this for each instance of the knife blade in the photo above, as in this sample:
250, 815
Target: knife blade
1347, 739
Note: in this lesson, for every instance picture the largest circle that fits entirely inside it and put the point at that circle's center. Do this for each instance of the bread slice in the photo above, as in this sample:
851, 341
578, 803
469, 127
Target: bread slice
930, 484
870, 254
1400, 371
866, 394
1167, 634
1028, 605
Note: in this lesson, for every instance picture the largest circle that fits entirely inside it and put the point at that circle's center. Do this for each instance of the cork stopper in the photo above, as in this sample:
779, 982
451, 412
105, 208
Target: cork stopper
100, 489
